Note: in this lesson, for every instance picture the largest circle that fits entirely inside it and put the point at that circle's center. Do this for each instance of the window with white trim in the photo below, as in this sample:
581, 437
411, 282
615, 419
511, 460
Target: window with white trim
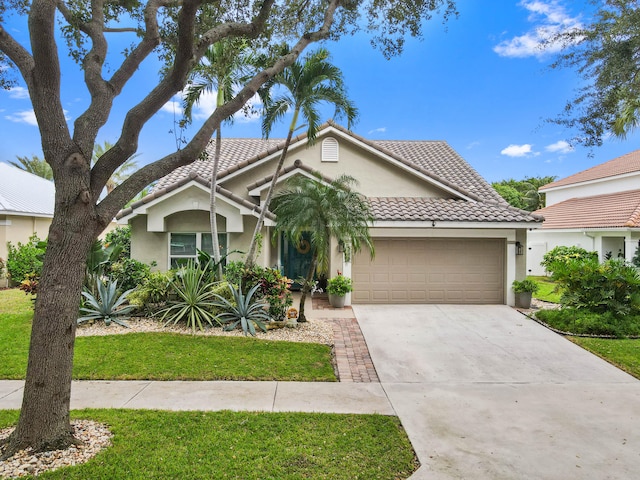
330, 150
184, 247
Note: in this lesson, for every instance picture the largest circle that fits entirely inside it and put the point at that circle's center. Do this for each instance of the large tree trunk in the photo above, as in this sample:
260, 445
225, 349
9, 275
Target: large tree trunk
44, 418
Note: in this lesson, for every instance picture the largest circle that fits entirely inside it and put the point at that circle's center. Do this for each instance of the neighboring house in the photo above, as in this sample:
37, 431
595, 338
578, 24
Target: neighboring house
441, 233
597, 209
26, 207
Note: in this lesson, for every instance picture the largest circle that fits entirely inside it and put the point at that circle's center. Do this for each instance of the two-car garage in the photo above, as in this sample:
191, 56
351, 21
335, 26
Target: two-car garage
431, 270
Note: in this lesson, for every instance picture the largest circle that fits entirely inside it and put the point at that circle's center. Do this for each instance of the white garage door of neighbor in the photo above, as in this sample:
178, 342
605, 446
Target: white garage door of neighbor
430, 270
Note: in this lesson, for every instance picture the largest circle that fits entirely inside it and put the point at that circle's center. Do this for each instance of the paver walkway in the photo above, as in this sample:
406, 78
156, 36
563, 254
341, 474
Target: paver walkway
352, 357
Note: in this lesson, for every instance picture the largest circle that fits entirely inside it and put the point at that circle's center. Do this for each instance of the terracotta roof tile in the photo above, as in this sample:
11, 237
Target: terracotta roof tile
612, 210
442, 209
628, 163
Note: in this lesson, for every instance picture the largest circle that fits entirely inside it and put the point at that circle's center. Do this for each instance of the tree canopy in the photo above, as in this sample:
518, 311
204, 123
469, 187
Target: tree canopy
524, 193
606, 53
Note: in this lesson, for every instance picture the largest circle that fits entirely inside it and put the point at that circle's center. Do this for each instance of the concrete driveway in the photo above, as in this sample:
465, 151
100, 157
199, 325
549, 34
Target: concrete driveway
485, 393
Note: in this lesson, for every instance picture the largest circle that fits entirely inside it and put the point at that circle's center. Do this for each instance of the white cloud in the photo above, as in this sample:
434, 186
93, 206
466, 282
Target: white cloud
172, 106
18, 92
377, 130
519, 151
560, 146
24, 116
473, 144
207, 104
549, 18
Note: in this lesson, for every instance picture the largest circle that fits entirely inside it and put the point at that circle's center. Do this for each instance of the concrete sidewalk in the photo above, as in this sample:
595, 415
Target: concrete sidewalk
327, 397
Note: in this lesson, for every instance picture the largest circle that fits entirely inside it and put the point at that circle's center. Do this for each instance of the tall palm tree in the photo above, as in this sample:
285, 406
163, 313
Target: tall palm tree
122, 173
325, 211
305, 85
36, 165
226, 65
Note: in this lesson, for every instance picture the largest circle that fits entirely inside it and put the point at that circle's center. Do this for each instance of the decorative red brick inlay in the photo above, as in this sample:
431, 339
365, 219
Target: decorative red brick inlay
351, 353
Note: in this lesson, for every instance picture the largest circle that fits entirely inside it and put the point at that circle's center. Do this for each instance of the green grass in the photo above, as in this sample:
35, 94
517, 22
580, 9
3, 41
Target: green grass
164, 356
239, 445
546, 292
624, 354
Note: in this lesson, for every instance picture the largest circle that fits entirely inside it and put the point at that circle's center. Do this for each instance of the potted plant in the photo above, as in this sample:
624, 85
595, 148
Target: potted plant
337, 288
524, 289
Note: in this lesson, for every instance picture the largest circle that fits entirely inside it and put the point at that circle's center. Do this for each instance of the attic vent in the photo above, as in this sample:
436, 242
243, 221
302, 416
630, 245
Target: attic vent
330, 150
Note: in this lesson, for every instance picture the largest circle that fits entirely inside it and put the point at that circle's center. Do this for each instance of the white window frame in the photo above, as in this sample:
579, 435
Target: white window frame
193, 257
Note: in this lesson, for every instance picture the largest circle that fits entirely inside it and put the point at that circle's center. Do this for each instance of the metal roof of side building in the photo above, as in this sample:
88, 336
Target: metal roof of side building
23, 193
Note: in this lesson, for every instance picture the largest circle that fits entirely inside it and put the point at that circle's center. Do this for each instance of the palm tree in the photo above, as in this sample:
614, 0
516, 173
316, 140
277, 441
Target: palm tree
122, 173
225, 66
306, 84
326, 211
35, 165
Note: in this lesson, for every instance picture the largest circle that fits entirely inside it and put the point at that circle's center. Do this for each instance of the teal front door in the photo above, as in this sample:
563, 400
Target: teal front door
296, 260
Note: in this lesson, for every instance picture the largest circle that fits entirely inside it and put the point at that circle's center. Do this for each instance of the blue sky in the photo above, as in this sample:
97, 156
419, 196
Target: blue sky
480, 82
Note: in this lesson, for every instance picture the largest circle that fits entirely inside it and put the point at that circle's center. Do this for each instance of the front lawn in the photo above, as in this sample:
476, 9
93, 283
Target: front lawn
623, 353
546, 291
243, 445
164, 356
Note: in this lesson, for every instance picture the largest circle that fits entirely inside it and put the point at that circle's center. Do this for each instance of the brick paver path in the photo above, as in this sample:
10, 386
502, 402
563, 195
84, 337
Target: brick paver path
353, 361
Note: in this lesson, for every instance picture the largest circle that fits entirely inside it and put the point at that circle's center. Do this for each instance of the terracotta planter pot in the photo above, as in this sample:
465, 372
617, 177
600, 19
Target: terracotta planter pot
336, 301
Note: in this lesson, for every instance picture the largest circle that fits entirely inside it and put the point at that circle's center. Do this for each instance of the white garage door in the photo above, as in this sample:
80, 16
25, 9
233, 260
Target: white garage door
433, 270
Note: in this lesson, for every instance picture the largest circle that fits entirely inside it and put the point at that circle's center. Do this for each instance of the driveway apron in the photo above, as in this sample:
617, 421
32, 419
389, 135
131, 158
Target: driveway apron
485, 393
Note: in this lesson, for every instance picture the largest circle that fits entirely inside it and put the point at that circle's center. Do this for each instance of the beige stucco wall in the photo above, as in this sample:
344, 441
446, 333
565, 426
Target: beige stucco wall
367, 168
148, 247
16, 229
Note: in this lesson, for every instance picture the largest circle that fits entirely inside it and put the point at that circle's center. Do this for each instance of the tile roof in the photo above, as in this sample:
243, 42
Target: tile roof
435, 159
297, 165
234, 153
24, 193
443, 209
192, 176
628, 163
612, 210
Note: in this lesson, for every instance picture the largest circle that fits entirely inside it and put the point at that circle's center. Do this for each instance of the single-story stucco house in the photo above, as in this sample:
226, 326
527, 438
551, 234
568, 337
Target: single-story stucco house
26, 207
597, 209
441, 233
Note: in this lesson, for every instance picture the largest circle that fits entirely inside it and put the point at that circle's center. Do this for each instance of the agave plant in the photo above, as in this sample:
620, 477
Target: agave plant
243, 310
106, 305
195, 300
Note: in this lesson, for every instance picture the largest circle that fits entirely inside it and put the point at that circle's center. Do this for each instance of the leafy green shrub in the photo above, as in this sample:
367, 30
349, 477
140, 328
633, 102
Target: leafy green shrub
121, 237
194, 302
527, 285
272, 286
339, 285
221, 289
129, 272
612, 286
153, 293
245, 311
23, 259
106, 305
583, 322
564, 254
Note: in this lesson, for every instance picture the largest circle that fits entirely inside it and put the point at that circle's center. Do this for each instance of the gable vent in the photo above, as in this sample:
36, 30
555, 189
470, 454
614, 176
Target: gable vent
330, 150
